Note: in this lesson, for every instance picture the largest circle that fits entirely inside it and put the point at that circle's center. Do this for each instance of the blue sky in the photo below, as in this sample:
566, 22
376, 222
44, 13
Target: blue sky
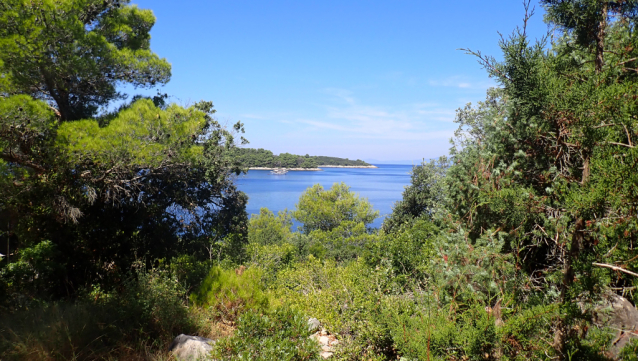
372, 80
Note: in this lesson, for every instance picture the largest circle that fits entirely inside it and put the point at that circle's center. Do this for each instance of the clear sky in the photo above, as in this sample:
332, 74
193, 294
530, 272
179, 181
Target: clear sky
372, 80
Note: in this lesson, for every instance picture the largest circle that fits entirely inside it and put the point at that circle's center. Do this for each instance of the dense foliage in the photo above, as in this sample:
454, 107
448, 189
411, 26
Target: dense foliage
84, 196
74, 53
251, 158
278, 335
508, 249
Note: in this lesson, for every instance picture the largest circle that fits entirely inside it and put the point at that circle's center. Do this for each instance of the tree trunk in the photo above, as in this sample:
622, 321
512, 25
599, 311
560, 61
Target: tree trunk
600, 39
61, 98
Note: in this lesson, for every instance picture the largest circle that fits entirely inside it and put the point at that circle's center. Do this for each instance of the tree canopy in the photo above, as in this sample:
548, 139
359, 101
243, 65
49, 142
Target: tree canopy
542, 182
74, 53
146, 181
324, 210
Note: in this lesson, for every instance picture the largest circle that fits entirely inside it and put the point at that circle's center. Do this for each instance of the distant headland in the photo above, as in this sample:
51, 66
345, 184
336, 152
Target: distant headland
262, 159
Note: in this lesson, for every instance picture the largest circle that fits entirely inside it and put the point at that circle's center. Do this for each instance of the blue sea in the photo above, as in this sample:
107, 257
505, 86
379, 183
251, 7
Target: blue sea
381, 186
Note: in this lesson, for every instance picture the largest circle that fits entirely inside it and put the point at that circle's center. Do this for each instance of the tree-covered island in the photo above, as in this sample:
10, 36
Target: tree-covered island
265, 159
121, 226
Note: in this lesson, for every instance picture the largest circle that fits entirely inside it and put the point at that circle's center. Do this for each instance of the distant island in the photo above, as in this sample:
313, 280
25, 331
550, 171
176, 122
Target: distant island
265, 159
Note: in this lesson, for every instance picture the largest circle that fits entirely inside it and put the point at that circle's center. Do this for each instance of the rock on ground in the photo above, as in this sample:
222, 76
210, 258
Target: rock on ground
191, 348
619, 314
326, 341
313, 324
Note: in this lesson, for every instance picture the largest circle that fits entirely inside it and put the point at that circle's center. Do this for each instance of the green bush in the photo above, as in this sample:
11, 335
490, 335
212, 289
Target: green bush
32, 276
346, 298
344, 242
231, 292
267, 229
187, 269
409, 250
281, 334
424, 197
423, 328
320, 209
269, 242
271, 259
630, 351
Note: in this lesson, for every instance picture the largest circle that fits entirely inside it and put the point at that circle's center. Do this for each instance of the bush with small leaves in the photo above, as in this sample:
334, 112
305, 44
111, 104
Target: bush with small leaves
230, 292
281, 334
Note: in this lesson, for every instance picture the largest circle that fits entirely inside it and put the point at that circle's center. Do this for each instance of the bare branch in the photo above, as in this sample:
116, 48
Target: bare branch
15, 158
615, 268
621, 144
628, 136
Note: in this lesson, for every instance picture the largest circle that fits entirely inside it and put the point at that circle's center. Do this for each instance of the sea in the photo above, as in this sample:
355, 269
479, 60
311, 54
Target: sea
382, 186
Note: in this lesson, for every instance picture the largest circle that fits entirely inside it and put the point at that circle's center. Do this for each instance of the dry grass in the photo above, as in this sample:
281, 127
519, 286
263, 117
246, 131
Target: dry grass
88, 332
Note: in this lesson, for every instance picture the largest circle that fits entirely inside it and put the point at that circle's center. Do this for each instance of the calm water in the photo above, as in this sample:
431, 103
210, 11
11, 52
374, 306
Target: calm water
382, 186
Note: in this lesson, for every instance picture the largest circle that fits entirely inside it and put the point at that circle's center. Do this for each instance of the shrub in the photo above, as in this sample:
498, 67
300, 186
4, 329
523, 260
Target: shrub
187, 269
408, 250
425, 196
281, 334
320, 209
344, 242
630, 351
271, 259
346, 298
268, 229
230, 292
32, 276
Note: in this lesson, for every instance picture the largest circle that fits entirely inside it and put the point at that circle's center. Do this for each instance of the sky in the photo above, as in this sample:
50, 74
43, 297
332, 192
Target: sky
373, 80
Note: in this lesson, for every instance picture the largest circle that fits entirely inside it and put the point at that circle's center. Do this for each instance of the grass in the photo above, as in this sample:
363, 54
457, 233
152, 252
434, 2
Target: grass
84, 331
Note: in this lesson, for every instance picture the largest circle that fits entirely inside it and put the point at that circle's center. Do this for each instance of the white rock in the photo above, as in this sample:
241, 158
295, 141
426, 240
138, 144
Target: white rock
324, 340
191, 348
313, 324
326, 354
327, 349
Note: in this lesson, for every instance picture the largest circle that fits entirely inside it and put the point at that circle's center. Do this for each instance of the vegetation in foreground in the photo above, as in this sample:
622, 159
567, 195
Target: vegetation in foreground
125, 229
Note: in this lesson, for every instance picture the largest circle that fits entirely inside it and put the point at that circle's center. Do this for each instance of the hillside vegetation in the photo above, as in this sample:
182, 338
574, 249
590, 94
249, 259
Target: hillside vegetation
253, 158
125, 229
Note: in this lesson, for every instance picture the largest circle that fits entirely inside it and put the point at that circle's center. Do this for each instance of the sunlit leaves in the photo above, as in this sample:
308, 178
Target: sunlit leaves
75, 52
142, 135
325, 210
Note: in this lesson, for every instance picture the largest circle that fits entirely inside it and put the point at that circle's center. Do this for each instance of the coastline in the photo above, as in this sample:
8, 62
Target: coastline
315, 169
288, 169
347, 166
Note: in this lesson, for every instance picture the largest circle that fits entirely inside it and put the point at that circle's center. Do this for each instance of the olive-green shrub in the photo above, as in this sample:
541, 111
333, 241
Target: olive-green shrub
230, 292
408, 250
346, 297
281, 334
